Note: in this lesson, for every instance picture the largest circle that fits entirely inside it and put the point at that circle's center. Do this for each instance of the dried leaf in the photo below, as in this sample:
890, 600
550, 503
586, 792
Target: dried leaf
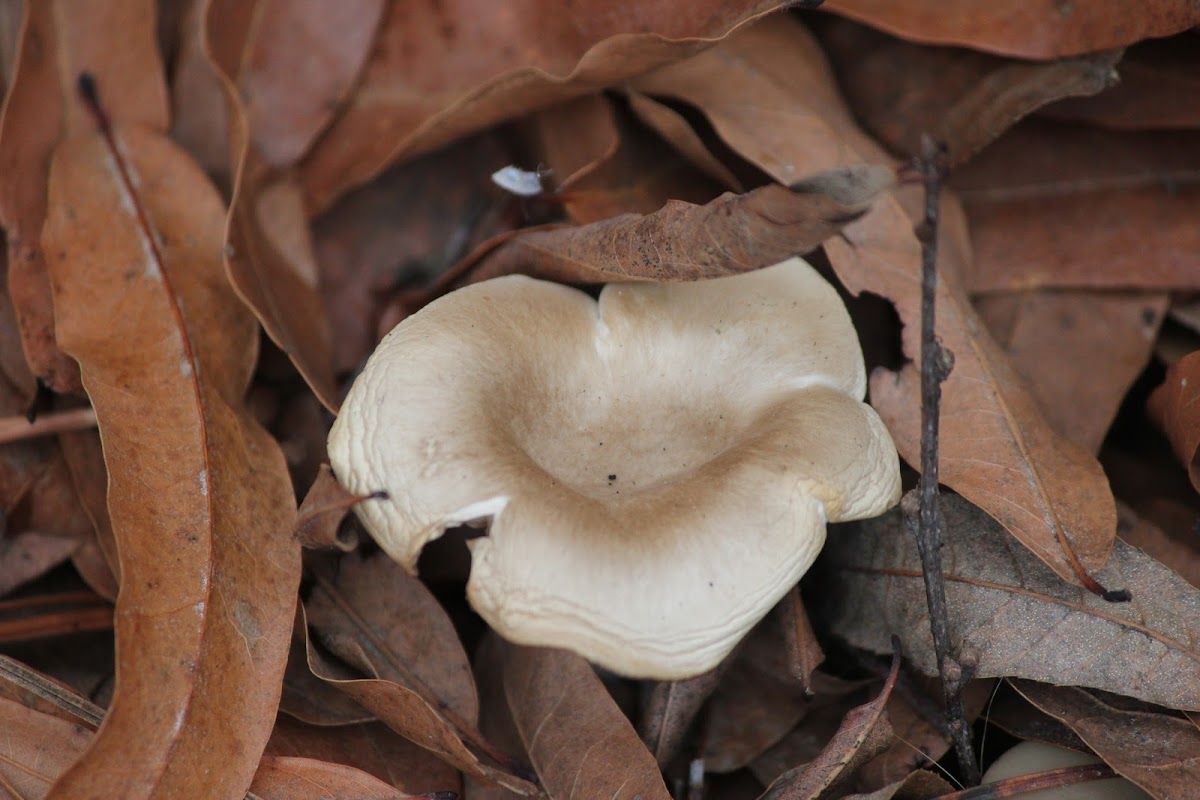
386, 624
403, 229
495, 718
59, 40
199, 122
758, 702
963, 98
1032, 29
1012, 616
1159, 89
1175, 408
1055, 205
674, 127
671, 709
1080, 352
289, 778
35, 749
1181, 552
919, 785
734, 233
572, 140
372, 747
319, 518
269, 254
864, 733
299, 63
1158, 752
443, 70
199, 494
580, 743
995, 447
27, 555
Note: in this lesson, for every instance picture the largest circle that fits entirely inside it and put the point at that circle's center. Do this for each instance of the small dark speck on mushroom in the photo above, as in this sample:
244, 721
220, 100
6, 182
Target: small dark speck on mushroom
612, 477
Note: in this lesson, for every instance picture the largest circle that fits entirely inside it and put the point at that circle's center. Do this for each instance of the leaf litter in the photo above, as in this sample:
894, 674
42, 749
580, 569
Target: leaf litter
677, 145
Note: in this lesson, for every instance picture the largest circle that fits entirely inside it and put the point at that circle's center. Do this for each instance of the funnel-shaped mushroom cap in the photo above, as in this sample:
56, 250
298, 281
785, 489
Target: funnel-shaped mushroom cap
657, 466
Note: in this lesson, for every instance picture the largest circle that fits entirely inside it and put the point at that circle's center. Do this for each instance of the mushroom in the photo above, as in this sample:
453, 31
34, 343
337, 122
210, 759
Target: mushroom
657, 466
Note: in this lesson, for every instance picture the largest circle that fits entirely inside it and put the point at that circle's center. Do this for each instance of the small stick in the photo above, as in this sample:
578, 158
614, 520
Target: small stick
16, 429
936, 363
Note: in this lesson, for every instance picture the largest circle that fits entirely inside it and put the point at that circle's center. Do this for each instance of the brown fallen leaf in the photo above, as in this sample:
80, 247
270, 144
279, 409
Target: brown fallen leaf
670, 710
58, 41
963, 98
27, 555
1037, 29
1058, 205
443, 70
495, 717
199, 122
733, 233
299, 63
919, 784
319, 518
1079, 352
385, 624
864, 733
309, 699
770, 96
570, 141
97, 561
1159, 89
758, 702
1159, 752
35, 749
199, 494
1180, 552
1012, 616
293, 778
674, 128
1175, 408
371, 747
403, 229
269, 253
580, 743
1016, 716
921, 740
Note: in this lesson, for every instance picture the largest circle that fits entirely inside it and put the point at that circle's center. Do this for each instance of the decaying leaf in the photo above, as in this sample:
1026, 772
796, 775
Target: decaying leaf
443, 70
269, 252
734, 233
1011, 615
963, 98
1057, 205
59, 40
672, 708
1175, 407
1036, 29
385, 624
863, 734
199, 494
1054, 340
578, 740
1159, 752
35, 749
292, 778
770, 96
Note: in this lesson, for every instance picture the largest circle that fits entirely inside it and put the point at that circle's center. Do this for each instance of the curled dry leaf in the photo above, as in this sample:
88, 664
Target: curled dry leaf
1180, 552
199, 494
1159, 752
1080, 352
918, 784
372, 747
292, 778
1057, 205
580, 743
733, 233
995, 446
443, 70
320, 515
1012, 616
58, 41
863, 734
1036, 29
671, 709
1175, 408
963, 98
1159, 89
299, 63
269, 252
35, 749
384, 623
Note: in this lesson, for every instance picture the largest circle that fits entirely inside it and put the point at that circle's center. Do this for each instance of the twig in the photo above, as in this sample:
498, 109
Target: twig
15, 429
926, 523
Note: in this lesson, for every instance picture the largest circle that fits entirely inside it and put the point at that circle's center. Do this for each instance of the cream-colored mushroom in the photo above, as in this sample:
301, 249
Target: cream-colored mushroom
1027, 758
657, 466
